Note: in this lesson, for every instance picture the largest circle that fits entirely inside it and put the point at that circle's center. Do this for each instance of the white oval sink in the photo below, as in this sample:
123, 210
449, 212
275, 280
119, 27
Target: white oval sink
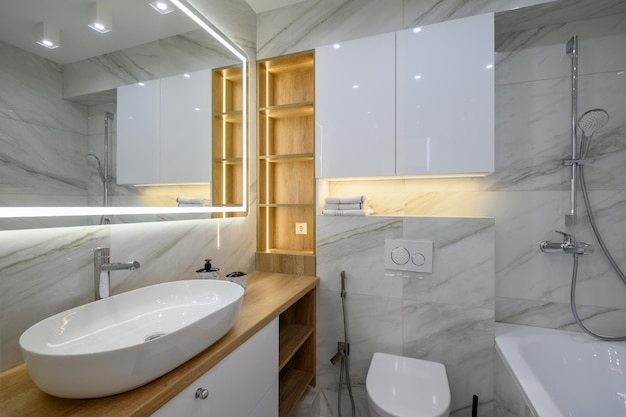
122, 342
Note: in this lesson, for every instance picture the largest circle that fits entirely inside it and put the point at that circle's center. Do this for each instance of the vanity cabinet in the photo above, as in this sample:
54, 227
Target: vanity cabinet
164, 130
244, 384
437, 116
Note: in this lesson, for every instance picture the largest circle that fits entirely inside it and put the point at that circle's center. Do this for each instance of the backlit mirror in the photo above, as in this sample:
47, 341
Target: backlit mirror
148, 118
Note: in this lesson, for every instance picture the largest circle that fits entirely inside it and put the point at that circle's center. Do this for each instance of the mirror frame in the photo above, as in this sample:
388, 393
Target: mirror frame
204, 23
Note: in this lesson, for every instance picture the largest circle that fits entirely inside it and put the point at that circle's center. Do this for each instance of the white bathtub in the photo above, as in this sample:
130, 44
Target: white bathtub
565, 374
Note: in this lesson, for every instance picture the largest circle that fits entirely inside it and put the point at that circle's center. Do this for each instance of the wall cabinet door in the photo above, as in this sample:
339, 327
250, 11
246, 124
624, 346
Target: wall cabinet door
445, 97
355, 108
164, 130
186, 127
244, 383
424, 102
138, 132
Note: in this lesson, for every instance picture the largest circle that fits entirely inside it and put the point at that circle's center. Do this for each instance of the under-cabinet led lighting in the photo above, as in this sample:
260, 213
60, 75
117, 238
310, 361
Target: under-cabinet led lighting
162, 7
100, 17
48, 36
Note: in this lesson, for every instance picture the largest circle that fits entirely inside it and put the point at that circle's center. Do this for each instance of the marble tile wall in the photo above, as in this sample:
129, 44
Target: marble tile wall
45, 271
446, 316
41, 135
528, 194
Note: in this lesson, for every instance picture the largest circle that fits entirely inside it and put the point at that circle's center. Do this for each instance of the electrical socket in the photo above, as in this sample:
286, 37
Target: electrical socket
301, 228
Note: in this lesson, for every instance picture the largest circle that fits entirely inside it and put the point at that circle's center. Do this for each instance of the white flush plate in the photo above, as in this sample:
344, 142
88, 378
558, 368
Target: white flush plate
409, 255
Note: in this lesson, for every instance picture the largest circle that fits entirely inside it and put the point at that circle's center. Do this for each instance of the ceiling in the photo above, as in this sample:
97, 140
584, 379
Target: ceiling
134, 23
260, 6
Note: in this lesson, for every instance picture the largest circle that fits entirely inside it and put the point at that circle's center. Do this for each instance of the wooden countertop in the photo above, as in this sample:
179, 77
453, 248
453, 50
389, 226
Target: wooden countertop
267, 296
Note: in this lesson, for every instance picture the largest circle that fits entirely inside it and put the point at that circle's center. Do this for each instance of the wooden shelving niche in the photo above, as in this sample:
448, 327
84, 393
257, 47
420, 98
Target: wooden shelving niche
286, 164
227, 149
296, 357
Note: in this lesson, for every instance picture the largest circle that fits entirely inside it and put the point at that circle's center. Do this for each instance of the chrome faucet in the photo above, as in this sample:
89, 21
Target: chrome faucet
569, 245
102, 268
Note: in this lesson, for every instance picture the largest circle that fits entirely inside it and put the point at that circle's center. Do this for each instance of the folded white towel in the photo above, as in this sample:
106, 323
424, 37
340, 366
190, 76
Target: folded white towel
193, 200
193, 205
362, 212
346, 200
352, 206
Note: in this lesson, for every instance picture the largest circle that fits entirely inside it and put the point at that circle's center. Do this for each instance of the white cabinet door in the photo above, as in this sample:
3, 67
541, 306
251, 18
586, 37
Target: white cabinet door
164, 130
445, 98
244, 383
138, 133
186, 127
355, 108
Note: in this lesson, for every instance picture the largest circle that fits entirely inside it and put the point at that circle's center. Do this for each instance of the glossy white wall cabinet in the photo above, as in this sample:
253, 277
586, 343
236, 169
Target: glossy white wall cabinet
244, 384
445, 97
354, 112
164, 130
424, 102
186, 127
138, 132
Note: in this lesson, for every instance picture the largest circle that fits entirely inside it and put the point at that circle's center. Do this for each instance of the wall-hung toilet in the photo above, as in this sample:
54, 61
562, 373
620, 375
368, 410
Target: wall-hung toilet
406, 387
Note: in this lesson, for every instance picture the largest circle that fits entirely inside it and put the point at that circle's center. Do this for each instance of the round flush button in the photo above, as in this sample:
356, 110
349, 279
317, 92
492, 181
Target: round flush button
400, 255
418, 259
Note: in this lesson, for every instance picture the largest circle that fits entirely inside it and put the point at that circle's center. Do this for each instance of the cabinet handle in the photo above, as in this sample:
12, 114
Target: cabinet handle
202, 393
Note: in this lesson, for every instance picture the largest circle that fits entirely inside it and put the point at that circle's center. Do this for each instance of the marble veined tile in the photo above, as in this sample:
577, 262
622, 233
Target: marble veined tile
192, 51
182, 253
39, 160
541, 53
463, 261
523, 271
30, 92
448, 204
374, 324
39, 266
112, 70
459, 337
311, 24
423, 12
532, 136
537, 313
356, 246
557, 12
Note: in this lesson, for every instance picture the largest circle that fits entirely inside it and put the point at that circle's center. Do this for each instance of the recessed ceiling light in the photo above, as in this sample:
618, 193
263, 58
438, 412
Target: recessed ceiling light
162, 6
48, 36
100, 17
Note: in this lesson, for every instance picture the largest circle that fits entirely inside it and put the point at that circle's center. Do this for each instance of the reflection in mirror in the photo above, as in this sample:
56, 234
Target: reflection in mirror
76, 139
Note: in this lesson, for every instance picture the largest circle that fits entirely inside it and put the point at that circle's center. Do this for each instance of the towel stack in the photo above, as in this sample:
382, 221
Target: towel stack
193, 202
347, 206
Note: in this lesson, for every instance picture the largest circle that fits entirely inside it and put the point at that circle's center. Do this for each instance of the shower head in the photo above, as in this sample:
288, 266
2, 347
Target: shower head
589, 122
593, 120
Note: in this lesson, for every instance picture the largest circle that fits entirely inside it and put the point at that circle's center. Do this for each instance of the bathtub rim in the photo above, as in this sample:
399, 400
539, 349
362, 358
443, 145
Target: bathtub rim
507, 344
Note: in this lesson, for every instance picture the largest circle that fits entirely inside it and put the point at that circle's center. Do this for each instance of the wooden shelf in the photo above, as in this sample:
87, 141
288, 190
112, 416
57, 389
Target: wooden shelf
293, 384
230, 117
291, 338
288, 110
288, 157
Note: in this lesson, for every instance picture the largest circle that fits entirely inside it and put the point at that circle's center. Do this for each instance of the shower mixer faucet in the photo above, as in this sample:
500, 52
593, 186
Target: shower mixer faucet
569, 245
